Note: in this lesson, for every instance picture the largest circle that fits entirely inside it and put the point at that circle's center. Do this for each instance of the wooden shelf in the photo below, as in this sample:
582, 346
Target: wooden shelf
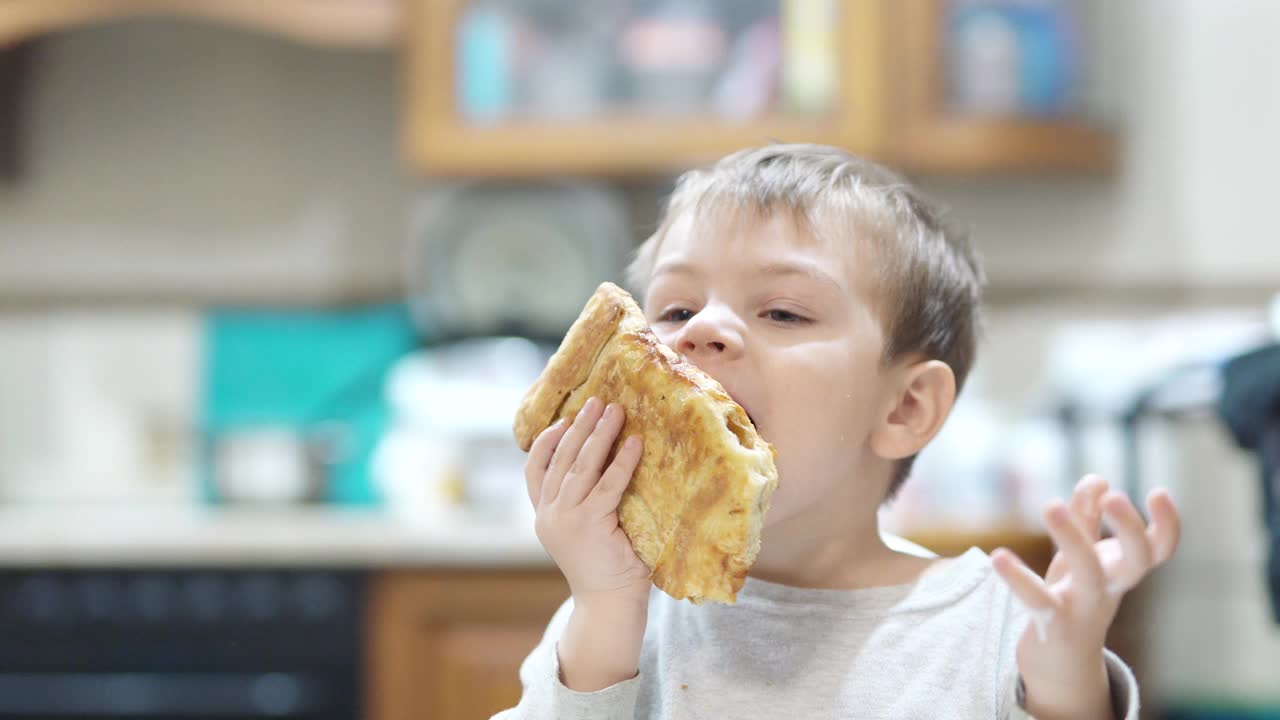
610, 148
955, 145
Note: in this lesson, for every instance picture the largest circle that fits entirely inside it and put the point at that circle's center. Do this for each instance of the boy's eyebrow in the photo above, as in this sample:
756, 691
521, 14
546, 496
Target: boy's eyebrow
774, 269
674, 266
802, 269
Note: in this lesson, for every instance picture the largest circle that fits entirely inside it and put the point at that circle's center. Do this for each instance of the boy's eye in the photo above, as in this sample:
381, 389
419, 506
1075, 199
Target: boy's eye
784, 316
675, 315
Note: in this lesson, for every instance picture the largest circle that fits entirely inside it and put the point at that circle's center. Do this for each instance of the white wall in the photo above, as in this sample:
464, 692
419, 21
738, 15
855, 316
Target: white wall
171, 159
1228, 67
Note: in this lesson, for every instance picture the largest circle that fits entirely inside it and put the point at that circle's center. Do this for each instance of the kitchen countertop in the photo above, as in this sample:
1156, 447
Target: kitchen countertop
107, 535
183, 536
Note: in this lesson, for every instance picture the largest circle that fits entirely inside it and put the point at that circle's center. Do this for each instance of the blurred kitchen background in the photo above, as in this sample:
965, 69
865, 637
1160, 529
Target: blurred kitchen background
273, 276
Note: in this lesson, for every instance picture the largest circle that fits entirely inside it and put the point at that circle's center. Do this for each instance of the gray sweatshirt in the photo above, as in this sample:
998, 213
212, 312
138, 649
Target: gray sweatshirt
940, 647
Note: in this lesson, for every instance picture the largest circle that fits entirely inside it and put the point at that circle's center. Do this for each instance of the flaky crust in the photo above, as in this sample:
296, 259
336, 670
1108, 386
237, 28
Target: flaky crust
696, 502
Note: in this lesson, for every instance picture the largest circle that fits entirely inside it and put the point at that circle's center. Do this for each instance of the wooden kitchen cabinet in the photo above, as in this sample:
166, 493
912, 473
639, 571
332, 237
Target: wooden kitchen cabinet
469, 81
449, 645
346, 23
867, 75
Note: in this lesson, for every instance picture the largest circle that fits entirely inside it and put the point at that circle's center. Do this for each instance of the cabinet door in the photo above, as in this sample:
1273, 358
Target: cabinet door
967, 101
504, 87
479, 665
449, 645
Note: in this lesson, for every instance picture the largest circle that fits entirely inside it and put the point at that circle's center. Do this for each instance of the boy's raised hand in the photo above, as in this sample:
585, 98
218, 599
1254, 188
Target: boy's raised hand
1060, 657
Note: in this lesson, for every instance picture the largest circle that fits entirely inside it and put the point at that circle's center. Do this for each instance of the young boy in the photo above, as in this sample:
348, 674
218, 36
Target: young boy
834, 304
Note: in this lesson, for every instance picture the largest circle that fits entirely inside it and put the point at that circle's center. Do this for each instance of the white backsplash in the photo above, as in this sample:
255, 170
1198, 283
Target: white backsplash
98, 404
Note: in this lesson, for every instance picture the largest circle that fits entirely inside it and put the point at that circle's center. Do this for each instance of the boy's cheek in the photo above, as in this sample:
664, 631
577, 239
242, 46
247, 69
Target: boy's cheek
661, 331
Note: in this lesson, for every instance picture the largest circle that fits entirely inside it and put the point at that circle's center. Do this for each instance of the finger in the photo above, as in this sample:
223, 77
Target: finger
1023, 581
585, 471
1086, 504
608, 492
1086, 512
1085, 569
1057, 569
1136, 548
568, 448
1165, 527
535, 467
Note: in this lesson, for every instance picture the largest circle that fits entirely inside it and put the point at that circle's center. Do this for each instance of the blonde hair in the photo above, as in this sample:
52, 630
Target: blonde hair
928, 284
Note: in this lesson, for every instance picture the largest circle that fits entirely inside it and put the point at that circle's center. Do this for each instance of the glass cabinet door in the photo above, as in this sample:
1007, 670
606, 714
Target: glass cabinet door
633, 85
567, 61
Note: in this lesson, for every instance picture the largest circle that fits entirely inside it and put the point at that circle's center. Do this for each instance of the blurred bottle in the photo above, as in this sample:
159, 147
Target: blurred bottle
809, 76
673, 52
1013, 57
483, 63
568, 79
749, 83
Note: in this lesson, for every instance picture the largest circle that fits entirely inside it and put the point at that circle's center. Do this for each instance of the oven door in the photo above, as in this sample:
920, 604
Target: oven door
223, 695
221, 644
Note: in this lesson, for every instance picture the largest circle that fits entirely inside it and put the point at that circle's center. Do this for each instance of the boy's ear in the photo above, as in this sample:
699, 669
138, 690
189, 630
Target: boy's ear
926, 390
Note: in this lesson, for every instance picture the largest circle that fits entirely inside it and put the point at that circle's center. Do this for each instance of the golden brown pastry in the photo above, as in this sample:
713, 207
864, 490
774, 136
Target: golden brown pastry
696, 502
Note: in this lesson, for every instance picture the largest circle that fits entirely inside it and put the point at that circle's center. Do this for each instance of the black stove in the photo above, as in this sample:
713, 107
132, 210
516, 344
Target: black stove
221, 644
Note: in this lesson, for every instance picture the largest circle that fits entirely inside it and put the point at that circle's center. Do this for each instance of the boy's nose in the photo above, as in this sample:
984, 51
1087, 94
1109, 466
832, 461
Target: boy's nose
711, 333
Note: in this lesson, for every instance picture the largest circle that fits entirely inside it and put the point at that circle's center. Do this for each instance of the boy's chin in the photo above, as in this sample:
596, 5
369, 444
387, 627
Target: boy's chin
777, 514
791, 504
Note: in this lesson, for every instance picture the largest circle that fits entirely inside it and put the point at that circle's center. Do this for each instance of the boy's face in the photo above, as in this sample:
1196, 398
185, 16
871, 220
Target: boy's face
784, 324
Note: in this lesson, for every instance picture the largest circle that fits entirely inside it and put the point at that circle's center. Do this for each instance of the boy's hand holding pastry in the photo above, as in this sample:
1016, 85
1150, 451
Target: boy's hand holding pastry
575, 496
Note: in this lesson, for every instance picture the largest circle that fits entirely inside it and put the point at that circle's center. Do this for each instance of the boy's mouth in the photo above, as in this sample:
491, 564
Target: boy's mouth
745, 409
734, 397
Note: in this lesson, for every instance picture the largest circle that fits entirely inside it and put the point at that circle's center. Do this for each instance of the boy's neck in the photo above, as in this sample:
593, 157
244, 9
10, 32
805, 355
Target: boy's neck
803, 551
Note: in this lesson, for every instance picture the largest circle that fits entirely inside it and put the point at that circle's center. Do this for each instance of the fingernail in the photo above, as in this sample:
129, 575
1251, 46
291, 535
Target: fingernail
633, 442
610, 410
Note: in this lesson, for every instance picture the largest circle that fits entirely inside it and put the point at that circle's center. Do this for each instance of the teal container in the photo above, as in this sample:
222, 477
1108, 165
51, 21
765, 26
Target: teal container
305, 370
